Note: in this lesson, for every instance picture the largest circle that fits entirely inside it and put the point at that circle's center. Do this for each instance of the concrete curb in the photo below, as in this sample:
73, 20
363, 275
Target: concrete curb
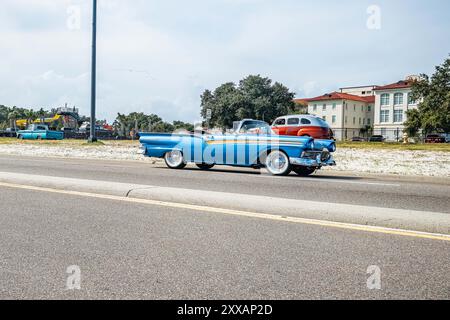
433, 222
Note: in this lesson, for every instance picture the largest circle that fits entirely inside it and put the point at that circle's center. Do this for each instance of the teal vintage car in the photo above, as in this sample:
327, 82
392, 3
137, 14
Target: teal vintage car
39, 132
253, 145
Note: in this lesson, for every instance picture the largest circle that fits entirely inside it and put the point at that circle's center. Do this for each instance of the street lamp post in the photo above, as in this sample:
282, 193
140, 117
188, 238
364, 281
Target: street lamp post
93, 136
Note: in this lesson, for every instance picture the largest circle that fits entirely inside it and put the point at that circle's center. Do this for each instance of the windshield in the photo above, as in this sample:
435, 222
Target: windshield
255, 127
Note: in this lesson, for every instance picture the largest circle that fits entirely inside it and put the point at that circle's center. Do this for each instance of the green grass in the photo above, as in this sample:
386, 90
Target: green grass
445, 147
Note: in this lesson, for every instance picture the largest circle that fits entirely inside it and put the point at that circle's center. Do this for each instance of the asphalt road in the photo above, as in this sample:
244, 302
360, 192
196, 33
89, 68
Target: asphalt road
127, 251
131, 250
424, 194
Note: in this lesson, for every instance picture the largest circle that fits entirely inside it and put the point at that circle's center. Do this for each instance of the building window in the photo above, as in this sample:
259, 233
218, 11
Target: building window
354, 120
411, 100
369, 108
324, 108
362, 108
334, 106
398, 99
334, 119
385, 99
384, 116
360, 121
368, 122
315, 107
398, 115
354, 107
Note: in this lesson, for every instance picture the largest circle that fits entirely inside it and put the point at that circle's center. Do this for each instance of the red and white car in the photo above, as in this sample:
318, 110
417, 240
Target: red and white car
303, 126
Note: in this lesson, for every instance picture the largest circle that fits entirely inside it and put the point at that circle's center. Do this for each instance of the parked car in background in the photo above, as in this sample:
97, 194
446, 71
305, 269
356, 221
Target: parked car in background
358, 139
435, 138
8, 133
377, 139
447, 137
302, 126
39, 132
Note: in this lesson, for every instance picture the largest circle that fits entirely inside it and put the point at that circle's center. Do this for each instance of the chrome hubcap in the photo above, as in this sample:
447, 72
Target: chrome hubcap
277, 162
174, 158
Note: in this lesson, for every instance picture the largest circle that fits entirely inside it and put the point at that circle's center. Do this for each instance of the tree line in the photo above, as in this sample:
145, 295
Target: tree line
433, 112
122, 125
8, 115
141, 122
255, 97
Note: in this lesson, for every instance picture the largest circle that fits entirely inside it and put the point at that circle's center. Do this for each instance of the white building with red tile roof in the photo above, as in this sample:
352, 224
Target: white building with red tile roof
353, 109
347, 114
392, 101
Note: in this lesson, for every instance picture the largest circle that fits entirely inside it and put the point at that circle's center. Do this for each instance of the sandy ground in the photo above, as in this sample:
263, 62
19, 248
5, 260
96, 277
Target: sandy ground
411, 163
399, 162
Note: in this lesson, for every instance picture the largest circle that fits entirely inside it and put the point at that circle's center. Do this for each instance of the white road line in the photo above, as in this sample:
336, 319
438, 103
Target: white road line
323, 223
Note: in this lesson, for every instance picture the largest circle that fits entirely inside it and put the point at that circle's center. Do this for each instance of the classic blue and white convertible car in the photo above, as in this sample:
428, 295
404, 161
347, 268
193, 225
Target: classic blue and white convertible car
253, 145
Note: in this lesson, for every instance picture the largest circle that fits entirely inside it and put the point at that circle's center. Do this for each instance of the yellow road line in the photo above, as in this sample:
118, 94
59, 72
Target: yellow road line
323, 223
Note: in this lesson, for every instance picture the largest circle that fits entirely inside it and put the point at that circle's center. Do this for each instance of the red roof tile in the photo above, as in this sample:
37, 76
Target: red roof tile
301, 101
369, 99
343, 96
398, 85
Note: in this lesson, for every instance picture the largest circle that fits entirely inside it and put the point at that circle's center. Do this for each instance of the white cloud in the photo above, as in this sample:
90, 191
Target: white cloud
158, 56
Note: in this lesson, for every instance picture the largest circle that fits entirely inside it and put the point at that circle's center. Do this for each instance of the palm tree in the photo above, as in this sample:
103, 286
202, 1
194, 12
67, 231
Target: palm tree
30, 115
121, 124
12, 117
41, 114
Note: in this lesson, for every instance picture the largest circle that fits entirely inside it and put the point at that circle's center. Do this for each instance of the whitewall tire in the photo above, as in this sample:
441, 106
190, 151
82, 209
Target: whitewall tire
278, 164
174, 159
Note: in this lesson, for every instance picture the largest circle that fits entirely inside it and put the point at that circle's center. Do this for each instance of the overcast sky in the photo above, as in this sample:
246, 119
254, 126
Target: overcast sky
158, 56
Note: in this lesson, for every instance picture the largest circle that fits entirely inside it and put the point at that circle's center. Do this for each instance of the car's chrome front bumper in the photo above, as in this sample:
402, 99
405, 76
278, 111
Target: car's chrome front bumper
317, 162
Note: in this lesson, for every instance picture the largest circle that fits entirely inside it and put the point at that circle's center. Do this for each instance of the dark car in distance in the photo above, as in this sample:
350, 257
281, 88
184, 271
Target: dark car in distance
434, 138
377, 139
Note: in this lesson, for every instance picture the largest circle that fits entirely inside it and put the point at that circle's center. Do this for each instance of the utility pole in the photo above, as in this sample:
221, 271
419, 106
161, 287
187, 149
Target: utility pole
93, 136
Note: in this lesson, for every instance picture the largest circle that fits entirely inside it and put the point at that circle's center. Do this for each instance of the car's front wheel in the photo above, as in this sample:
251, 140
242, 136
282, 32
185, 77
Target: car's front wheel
278, 163
174, 159
304, 171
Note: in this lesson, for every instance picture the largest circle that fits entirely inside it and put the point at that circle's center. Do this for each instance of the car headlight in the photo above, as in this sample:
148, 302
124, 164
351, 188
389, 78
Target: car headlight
325, 156
332, 147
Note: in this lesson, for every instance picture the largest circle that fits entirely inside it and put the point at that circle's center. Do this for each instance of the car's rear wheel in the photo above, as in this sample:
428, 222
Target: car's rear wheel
204, 166
278, 164
174, 159
304, 171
